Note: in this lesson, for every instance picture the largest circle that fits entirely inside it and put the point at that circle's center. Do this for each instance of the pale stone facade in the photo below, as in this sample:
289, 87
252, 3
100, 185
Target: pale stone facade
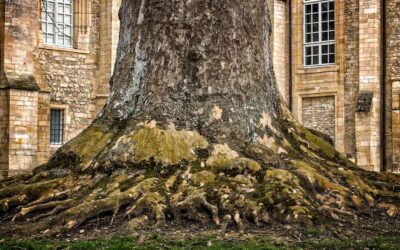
328, 97
36, 77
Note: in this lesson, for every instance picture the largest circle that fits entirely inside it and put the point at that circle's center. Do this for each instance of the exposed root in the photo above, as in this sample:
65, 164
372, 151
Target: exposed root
193, 206
221, 188
239, 222
25, 211
225, 222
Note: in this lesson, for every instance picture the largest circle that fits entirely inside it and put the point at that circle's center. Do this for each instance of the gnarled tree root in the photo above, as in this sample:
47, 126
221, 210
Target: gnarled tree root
297, 194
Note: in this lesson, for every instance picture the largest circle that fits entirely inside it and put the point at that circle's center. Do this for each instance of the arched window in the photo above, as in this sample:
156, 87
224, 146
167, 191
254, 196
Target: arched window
57, 22
319, 32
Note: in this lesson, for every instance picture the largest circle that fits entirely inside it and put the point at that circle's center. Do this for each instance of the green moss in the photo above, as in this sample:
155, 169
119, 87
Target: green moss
222, 162
319, 144
281, 186
202, 178
355, 181
317, 179
243, 180
166, 146
280, 175
88, 144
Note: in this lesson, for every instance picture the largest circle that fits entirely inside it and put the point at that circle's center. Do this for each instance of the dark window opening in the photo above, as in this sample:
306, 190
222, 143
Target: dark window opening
56, 126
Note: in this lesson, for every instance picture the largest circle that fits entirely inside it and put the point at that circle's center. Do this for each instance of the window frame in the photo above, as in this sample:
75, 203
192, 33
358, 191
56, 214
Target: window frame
56, 23
319, 44
60, 128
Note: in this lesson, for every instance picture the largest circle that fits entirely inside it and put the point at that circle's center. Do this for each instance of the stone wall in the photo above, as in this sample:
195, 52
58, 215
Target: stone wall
316, 83
36, 77
358, 69
393, 82
109, 36
43, 132
351, 79
19, 38
368, 123
70, 74
23, 120
280, 44
319, 113
3, 130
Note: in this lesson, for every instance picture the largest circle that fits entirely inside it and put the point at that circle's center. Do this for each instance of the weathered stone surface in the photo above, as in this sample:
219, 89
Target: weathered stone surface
74, 79
358, 67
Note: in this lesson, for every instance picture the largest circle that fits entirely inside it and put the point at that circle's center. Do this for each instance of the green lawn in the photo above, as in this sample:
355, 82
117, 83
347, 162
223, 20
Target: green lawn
199, 243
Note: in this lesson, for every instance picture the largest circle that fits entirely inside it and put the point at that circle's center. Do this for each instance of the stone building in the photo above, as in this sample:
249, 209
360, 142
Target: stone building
337, 64
56, 59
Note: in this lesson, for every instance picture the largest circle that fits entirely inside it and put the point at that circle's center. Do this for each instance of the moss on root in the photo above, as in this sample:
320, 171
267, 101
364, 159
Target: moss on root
88, 144
164, 179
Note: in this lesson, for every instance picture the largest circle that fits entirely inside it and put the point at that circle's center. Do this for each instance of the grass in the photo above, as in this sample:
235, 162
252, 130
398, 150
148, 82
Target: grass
121, 243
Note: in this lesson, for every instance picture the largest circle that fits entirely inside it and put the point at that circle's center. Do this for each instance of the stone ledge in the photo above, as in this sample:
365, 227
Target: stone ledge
21, 83
317, 69
63, 49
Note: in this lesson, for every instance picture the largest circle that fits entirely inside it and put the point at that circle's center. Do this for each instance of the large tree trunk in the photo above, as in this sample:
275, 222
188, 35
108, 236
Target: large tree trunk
195, 128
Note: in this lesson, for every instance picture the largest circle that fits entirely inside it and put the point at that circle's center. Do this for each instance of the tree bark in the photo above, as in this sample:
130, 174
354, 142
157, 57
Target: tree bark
195, 128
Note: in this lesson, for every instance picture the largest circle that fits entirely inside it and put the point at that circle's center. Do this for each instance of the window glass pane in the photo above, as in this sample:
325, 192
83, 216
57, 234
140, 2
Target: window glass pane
331, 35
315, 18
315, 27
56, 126
308, 8
60, 18
308, 60
67, 40
332, 48
308, 51
50, 28
324, 6
324, 59
324, 16
60, 8
50, 39
49, 7
331, 15
324, 49
67, 19
67, 9
50, 17
315, 37
324, 26
308, 38
331, 58
67, 30
60, 40
308, 18
331, 5
324, 36
331, 25
315, 60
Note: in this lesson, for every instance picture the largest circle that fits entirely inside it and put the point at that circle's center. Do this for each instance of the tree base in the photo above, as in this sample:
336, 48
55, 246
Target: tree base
154, 175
